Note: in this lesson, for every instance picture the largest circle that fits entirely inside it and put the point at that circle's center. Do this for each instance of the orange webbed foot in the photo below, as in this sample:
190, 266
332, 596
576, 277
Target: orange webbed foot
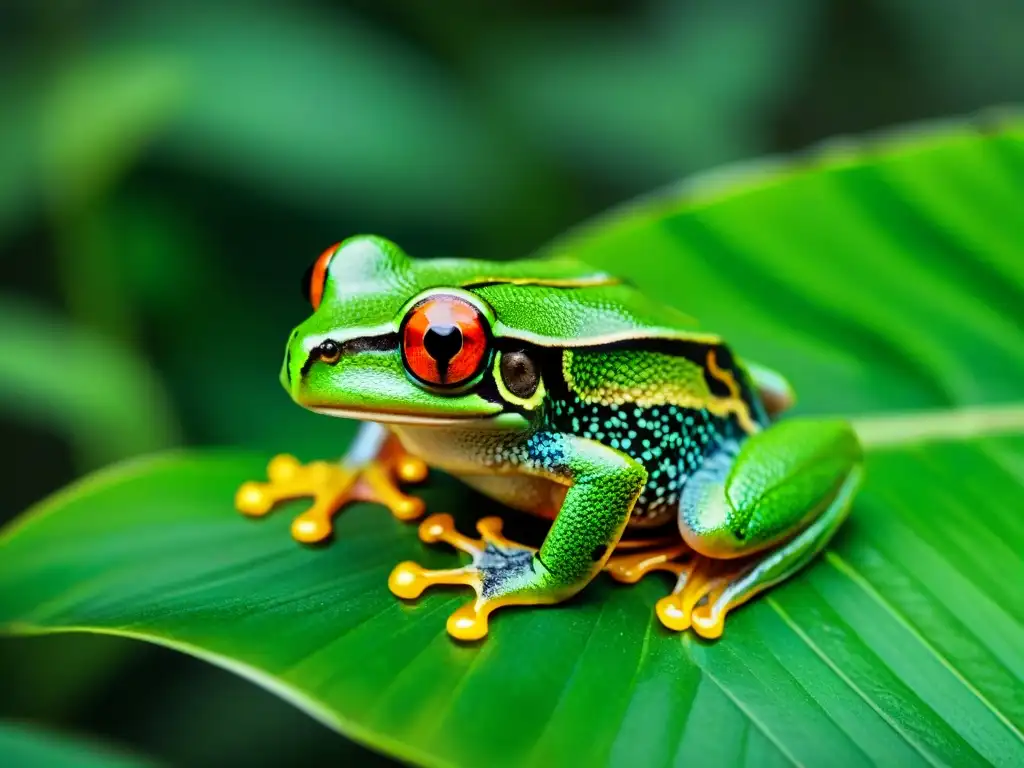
332, 485
703, 596
495, 561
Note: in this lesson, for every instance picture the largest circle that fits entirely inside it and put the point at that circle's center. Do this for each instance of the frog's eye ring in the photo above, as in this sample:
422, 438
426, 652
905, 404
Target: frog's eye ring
445, 341
315, 279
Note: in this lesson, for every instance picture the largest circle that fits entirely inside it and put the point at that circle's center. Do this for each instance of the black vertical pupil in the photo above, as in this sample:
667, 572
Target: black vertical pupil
442, 343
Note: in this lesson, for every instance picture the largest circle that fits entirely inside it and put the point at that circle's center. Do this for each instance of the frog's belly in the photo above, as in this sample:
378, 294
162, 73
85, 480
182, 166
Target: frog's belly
475, 457
461, 451
528, 494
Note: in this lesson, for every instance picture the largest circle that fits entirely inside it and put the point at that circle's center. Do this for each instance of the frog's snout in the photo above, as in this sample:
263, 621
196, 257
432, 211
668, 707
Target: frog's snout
299, 359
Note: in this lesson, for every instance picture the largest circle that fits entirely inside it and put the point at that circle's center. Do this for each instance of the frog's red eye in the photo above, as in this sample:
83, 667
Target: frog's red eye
445, 341
316, 277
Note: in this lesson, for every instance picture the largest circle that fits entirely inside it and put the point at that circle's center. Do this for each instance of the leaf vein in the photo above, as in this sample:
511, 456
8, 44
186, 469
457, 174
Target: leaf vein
798, 630
857, 578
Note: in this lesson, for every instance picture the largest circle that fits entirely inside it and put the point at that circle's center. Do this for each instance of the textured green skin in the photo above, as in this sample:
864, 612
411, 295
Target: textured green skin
779, 481
604, 485
795, 465
607, 399
370, 282
620, 428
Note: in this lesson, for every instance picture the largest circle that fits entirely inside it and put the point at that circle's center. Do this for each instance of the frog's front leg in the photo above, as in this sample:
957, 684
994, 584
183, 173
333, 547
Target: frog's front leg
370, 471
603, 487
756, 515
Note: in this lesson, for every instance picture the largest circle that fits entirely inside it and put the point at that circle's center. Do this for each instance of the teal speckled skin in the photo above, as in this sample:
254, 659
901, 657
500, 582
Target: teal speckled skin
561, 391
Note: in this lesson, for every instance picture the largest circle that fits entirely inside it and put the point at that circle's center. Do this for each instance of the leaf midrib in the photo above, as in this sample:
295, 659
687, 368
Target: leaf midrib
892, 430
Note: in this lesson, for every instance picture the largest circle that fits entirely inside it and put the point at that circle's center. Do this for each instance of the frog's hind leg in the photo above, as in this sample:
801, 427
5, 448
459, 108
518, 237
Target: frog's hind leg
695, 575
371, 471
757, 514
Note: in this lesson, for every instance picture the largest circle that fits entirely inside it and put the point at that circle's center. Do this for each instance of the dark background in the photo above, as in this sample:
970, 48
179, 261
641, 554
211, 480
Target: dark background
169, 169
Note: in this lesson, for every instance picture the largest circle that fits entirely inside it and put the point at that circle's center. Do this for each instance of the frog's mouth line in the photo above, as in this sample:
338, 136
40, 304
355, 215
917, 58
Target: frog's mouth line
384, 417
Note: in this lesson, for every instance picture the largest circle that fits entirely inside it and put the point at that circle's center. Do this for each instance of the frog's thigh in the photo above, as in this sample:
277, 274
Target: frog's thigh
783, 493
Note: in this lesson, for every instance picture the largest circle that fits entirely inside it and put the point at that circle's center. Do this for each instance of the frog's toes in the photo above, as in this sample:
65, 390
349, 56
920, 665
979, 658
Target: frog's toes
257, 499
701, 598
408, 580
630, 568
699, 582
327, 483
501, 573
332, 485
409, 468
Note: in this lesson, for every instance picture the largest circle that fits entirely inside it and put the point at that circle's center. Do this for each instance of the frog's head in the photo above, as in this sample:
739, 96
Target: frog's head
443, 341
397, 340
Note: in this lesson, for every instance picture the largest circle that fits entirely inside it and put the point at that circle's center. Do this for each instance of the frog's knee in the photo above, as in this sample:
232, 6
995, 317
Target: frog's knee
743, 501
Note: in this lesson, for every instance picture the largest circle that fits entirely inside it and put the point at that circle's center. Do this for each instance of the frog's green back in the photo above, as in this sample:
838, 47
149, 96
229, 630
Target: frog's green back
548, 302
584, 316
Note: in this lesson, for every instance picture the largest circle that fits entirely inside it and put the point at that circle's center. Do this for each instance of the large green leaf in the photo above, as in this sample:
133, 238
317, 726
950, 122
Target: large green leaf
885, 280
876, 275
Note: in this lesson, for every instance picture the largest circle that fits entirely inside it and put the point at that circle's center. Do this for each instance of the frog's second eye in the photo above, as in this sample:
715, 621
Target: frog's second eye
445, 341
315, 279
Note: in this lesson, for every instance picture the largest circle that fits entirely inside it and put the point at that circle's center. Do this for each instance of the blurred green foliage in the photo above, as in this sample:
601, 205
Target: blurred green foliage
23, 745
169, 168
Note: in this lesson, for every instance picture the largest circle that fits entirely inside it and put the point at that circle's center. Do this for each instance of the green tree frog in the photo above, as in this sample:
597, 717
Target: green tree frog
563, 392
